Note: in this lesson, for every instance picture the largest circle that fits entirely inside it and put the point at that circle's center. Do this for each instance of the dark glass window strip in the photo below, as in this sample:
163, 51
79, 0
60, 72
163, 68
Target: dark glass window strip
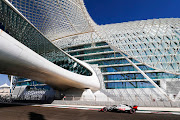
99, 56
133, 76
124, 68
79, 47
90, 51
111, 62
85, 46
125, 85
101, 44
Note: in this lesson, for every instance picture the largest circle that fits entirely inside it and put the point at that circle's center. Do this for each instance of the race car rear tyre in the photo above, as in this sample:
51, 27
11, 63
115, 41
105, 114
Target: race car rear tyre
105, 109
132, 111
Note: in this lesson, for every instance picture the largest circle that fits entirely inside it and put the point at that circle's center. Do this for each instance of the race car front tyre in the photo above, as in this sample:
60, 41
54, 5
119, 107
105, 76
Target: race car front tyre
105, 109
132, 111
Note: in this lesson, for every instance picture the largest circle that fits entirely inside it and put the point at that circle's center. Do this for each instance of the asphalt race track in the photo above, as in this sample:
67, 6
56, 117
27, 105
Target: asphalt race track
18, 112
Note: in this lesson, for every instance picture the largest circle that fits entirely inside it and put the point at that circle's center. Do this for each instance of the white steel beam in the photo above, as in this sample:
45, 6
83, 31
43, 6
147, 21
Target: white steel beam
17, 59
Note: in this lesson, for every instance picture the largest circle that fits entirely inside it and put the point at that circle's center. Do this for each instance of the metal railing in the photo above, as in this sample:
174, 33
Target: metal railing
72, 100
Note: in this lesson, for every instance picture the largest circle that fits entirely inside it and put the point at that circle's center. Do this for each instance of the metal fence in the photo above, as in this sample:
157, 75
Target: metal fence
106, 103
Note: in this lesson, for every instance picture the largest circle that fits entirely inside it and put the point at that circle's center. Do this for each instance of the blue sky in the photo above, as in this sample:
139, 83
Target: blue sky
4, 79
117, 11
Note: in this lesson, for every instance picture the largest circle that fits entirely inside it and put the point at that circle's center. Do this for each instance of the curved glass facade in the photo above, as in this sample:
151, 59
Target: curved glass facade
18, 27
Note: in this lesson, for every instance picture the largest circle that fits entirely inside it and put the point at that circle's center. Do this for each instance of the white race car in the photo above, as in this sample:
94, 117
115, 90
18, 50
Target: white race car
120, 107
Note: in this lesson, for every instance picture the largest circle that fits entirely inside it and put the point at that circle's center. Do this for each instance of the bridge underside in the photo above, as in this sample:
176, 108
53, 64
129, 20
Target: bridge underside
17, 59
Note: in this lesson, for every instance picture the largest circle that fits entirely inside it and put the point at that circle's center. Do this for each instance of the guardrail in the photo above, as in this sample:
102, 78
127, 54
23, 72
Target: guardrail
106, 103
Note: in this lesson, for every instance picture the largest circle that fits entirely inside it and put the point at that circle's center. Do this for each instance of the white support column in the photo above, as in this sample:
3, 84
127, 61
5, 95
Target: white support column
11, 84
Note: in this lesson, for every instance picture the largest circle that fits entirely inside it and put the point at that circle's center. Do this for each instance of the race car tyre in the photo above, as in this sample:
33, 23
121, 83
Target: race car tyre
105, 109
132, 111
110, 109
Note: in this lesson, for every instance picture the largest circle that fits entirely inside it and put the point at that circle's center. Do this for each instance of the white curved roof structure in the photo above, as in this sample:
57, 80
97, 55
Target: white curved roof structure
56, 19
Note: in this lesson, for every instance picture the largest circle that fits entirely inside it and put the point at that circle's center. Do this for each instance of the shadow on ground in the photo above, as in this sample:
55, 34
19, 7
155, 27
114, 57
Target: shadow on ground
35, 116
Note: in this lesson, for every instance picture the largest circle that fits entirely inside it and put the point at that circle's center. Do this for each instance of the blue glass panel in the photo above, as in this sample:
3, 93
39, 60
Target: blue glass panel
130, 76
96, 56
101, 44
110, 62
160, 75
79, 47
90, 51
125, 85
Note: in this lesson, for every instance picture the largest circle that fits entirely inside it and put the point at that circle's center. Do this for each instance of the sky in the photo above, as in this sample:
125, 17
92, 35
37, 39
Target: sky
4, 79
117, 11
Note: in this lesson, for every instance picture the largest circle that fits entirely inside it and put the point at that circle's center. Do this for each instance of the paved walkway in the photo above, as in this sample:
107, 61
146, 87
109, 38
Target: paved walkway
155, 110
